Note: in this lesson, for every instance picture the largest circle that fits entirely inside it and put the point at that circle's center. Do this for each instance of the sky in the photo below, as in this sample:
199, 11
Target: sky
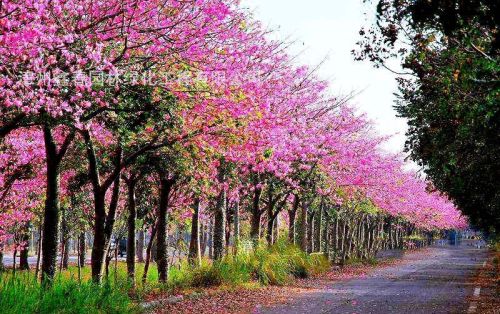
329, 29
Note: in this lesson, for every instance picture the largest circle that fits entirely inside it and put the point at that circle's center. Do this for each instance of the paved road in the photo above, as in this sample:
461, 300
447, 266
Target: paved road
435, 282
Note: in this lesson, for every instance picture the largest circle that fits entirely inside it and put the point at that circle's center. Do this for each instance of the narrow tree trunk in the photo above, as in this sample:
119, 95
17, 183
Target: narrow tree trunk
276, 228
204, 239
51, 212
161, 235
318, 229
270, 224
148, 253
210, 240
303, 227
65, 256
82, 249
292, 214
140, 246
38, 252
229, 225
14, 255
64, 240
79, 260
2, 267
310, 232
132, 215
236, 226
194, 255
326, 235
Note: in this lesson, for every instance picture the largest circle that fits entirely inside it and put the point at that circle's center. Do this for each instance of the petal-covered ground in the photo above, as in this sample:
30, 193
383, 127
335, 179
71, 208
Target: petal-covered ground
436, 279
253, 299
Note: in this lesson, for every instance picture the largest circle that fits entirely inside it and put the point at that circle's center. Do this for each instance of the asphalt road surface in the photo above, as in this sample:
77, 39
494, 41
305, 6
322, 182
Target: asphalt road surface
434, 282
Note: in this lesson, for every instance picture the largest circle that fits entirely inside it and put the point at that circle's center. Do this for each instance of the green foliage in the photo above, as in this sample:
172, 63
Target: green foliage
449, 93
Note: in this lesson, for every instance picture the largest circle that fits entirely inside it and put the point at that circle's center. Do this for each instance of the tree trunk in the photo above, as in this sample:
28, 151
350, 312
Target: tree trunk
103, 224
148, 253
140, 246
51, 211
326, 236
64, 240
132, 215
229, 225
210, 240
318, 230
14, 255
256, 216
23, 255
194, 255
310, 232
38, 252
204, 239
276, 228
100, 244
219, 225
236, 226
65, 257
2, 267
82, 248
161, 234
292, 214
303, 227
270, 224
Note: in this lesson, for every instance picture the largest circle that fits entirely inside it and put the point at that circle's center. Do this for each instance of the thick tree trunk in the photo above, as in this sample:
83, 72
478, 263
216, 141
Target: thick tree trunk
161, 235
219, 226
256, 215
132, 215
23, 255
51, 212
303, 227
194, 255
99, 246
103, 223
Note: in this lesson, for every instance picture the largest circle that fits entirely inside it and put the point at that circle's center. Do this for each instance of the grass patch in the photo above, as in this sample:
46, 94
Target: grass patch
22, 294
275, 265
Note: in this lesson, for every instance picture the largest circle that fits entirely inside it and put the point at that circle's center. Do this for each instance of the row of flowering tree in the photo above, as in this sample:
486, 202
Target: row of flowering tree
165, 112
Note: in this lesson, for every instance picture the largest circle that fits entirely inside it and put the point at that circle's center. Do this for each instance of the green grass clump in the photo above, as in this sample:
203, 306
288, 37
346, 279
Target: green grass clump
22, 294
